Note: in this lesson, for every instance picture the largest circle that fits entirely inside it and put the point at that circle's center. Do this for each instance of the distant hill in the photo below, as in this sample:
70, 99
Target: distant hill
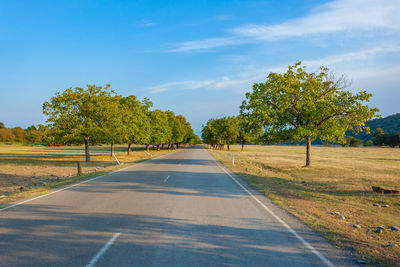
389, 124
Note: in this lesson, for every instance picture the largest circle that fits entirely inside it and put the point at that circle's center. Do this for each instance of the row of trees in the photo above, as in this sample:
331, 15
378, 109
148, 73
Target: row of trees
300, 106
17, 134
228, 130
97, 115
380, 138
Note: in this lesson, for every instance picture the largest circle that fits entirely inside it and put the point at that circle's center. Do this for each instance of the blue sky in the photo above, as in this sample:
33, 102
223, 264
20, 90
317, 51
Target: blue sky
197, 58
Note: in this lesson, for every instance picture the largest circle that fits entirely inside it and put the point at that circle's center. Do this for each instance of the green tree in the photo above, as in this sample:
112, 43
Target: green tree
248, 132
378, 137
221, 131
160, 130
301, 106
2, 126
114, 128
185, 131
136, 123
78, 115
33, 136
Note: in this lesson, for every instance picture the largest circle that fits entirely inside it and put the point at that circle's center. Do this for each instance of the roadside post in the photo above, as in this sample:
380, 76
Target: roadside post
116, 159
79, 168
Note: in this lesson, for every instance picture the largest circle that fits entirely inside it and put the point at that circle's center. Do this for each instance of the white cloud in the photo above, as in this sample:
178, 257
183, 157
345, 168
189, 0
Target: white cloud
146, 23
352, 56
333, 17
179, 85
340, 62
336, 16
205, 44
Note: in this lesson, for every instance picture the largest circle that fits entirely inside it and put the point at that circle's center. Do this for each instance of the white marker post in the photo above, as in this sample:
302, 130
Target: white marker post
116, 159
233, 159
148, 154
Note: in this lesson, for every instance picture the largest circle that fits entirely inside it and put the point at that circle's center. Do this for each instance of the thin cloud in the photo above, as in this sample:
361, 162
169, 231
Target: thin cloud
146, 23
205, 44
336, 16
178, 85
246, 79
333, 17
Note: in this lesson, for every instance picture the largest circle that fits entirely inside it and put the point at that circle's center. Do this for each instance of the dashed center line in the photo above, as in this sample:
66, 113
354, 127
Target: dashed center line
103, 250
166, 178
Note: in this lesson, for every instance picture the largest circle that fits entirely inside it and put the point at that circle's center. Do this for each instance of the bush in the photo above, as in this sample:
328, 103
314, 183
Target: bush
369, 143
352, 141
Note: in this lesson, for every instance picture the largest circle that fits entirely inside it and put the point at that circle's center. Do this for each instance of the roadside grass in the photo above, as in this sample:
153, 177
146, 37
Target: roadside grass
27, 171
339, 180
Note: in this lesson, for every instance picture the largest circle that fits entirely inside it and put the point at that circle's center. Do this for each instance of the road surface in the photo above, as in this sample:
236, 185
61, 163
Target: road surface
182, 209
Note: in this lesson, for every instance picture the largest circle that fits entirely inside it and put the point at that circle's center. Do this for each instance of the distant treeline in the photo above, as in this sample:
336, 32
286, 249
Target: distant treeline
32, 134
389, 124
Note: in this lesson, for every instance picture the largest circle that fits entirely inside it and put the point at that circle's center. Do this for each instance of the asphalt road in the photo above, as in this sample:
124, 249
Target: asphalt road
182, 209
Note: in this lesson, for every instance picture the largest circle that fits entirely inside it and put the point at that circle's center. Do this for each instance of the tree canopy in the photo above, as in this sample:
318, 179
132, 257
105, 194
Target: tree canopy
97, 115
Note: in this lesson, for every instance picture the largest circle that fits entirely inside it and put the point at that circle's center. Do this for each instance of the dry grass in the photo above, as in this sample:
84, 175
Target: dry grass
340, 179
38, 168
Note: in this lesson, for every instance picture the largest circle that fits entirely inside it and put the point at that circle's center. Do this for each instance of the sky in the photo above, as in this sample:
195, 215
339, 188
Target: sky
196, 58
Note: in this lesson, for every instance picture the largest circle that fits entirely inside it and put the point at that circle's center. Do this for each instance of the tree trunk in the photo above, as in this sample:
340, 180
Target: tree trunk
112, 150
242, 145
308, 151
87, 153
162, 146
228, 146
158, 147
147, 148
129, 148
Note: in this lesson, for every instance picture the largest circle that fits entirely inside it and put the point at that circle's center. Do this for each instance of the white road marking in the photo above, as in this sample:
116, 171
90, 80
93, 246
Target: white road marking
85, 181
313, 250
166, 178
103, 250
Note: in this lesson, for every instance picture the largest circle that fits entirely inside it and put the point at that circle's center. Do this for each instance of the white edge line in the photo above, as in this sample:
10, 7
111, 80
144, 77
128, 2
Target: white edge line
166, 178
76, 184
313, 250
103, 250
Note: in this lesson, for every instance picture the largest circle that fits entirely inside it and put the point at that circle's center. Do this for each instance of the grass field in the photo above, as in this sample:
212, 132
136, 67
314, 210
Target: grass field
33, 170
337, 184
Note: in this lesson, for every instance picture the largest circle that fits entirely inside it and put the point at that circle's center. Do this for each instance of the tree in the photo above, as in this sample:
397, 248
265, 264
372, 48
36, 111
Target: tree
114, 128
378, 137
248, 132
184, 132
32, 127
221, 131
78, 115
135, 121
33, 136
6, 135
351, 141
18, 132
2, 126
160, 130
301, 106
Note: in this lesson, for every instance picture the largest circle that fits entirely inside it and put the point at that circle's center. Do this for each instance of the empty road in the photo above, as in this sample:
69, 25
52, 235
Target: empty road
182, 209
